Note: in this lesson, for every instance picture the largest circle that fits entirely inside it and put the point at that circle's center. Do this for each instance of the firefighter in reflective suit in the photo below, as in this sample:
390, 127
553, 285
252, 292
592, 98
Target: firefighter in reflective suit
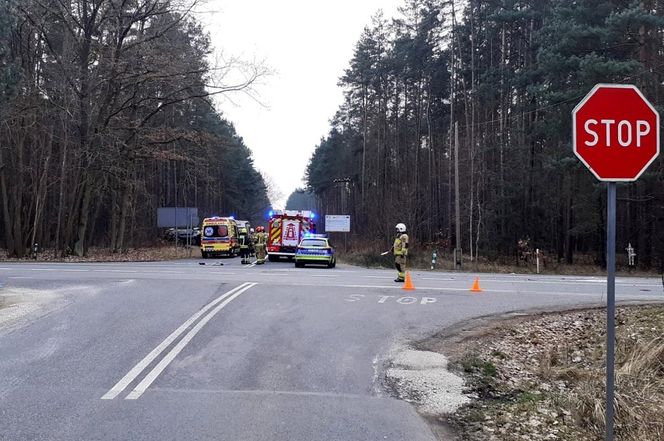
400, 250
244, 245
260, 241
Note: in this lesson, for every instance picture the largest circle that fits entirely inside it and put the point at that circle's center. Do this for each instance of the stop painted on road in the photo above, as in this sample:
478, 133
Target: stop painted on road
401, 300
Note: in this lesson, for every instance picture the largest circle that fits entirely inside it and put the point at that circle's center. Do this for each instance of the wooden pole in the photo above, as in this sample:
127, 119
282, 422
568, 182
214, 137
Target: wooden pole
457, 241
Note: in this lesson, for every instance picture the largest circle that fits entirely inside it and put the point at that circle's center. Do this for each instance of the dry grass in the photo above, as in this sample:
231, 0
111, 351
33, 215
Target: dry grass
150, 254
560, 360
420, 259
639, 398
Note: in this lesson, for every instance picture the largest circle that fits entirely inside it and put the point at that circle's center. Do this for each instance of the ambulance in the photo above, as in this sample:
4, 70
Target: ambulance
285, 230
219, 237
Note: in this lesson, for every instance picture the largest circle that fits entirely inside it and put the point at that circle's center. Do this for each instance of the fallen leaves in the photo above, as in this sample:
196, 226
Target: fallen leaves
148, 254
548, 382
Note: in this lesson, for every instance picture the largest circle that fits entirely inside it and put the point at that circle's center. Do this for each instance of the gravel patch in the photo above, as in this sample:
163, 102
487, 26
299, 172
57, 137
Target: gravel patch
422, 378
19, 305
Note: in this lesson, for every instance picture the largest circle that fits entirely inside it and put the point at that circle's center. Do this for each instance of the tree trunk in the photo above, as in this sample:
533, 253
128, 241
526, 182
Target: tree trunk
80, 246
9, 238
126, 195
61, 194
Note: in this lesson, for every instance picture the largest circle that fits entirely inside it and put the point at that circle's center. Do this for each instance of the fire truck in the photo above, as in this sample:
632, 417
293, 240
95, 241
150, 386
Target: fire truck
286, 229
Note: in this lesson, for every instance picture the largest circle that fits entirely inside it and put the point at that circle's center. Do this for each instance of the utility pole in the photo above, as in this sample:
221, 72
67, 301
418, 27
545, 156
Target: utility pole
457, 240
342, 184
451, 141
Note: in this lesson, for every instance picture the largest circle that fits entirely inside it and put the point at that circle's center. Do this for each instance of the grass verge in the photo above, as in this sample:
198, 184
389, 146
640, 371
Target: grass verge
148, 254
369, 257
542, 377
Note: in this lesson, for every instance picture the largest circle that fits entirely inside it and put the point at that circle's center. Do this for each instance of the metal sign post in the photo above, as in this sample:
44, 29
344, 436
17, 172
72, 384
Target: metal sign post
610, 305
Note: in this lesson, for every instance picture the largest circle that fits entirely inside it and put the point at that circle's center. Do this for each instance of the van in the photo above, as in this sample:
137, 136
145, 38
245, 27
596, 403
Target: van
243, 224
219, 237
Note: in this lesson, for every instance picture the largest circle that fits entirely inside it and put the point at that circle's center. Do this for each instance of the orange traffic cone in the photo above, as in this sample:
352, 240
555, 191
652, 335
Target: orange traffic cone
408, 285
476, 285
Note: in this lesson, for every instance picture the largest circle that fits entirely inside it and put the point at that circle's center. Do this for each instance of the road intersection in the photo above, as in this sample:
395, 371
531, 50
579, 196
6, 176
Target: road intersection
178, 350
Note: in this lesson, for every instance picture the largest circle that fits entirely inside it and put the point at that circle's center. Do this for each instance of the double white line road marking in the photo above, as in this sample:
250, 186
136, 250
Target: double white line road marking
218, 304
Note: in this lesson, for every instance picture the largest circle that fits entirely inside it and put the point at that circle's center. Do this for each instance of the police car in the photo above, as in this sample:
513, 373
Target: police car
315, 249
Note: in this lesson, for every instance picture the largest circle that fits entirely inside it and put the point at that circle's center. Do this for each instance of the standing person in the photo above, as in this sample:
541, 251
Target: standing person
400, 250
252, 242
260, 243
244, 245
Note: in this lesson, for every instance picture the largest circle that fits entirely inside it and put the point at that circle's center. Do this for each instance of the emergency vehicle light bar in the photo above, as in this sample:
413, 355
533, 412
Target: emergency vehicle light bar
293, 213
315, 236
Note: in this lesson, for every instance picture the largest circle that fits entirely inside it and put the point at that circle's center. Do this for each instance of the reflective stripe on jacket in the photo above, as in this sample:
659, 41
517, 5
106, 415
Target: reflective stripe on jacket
261, 239
401, 245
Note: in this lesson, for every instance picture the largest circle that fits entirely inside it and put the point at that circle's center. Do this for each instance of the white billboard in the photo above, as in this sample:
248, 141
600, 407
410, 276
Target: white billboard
337, 223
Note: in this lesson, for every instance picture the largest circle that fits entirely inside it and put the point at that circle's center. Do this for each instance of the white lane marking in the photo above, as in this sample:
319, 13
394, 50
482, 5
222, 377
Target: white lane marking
60, 270
537, 281
582, 280
136, 370
114, 271
250, 265
324, 275
163, 272
177, 273
154, 373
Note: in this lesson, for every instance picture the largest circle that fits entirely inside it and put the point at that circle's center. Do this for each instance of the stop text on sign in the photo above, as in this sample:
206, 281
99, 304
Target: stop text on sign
625, 132
615, 132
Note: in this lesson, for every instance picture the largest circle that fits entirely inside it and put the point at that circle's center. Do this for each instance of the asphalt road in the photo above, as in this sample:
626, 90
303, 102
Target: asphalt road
180, 351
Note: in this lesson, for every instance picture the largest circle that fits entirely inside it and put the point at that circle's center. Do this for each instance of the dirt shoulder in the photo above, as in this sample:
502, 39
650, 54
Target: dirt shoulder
541, 376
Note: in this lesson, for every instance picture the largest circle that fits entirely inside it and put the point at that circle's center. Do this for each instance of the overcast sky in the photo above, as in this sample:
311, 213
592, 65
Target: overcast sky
307, 44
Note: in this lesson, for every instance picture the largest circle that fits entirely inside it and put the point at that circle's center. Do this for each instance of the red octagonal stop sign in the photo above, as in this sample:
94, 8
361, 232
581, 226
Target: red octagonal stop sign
615, 132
